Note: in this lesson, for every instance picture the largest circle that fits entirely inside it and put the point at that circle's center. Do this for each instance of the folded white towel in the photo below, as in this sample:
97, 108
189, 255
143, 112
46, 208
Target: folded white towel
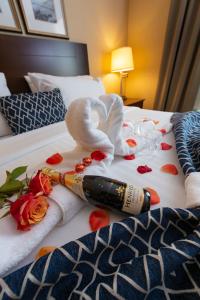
112, 126
16, 245
145, 133
192, 188
86, 134
80, 125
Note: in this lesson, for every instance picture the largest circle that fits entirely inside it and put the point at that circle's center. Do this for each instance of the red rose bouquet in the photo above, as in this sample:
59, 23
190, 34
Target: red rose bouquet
31, 204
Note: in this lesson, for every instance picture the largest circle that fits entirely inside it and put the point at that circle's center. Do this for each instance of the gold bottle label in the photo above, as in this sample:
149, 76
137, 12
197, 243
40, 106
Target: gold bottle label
75, 184
133, 200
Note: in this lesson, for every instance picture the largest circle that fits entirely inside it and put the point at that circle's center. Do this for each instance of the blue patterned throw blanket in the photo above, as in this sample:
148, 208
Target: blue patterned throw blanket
187, 136
153, 256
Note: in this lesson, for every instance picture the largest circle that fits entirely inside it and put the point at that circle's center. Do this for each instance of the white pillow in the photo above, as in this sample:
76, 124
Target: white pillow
30, 84
4, 91
71, 87
34, 88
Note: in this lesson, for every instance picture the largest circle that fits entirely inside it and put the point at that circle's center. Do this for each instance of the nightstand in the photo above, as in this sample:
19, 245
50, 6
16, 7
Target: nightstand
134, 102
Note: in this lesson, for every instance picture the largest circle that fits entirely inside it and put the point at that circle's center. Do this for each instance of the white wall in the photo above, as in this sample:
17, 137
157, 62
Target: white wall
146, 33
108, 24
102, 24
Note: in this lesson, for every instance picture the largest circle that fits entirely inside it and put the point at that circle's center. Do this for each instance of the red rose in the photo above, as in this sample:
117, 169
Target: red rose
41, 183
28, 210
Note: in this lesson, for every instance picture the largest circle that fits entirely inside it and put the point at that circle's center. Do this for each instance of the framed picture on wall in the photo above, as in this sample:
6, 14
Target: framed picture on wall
8, 16
44, 17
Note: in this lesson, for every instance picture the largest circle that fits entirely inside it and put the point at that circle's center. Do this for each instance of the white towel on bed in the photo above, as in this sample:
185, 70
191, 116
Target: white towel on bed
16, 245
145, 133
113, 125
79, 122
192, 188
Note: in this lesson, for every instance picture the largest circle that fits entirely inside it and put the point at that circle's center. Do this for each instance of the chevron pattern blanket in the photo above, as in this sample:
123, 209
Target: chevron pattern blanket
153, 256
187, 135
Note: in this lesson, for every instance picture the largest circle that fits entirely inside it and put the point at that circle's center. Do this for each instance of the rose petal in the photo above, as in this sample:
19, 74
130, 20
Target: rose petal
170, 169
143, 169
54, 159
70, 172
155, 198
45, 183
98, 219
165, 146
131, 142
163, 131
129, 157
98, 155
44, 251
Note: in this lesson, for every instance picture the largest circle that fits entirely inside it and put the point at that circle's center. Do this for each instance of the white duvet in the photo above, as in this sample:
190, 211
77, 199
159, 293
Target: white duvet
34, 147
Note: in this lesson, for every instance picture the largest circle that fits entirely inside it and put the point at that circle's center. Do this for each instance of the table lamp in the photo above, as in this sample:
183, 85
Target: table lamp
122, 61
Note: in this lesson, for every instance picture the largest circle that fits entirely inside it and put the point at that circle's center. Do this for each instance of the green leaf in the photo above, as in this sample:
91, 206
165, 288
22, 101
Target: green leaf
8, 176
17, 172
11, 187
3, 196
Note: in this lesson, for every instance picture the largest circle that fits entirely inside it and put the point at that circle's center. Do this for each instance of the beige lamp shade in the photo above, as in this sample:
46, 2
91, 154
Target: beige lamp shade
122, 60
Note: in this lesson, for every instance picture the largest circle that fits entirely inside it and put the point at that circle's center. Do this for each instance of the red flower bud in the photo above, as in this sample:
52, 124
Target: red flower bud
41, 183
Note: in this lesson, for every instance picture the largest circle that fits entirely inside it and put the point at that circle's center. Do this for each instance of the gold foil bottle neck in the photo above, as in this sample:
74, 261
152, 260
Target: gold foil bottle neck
71, 181
54, 175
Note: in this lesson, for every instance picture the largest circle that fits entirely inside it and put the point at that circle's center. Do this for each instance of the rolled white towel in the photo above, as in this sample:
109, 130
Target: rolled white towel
16, 245
192, 188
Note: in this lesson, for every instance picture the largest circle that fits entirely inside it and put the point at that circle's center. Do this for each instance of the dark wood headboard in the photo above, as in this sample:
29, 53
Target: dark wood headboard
22, 54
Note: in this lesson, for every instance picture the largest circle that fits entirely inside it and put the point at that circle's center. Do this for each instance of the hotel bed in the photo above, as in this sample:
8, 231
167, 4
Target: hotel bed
32, 149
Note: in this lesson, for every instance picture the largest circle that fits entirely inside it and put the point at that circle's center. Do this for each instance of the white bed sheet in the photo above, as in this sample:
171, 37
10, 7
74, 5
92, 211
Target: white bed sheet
34, 147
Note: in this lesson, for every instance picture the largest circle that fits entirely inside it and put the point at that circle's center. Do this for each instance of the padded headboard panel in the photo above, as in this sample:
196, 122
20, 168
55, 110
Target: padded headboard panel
22, 54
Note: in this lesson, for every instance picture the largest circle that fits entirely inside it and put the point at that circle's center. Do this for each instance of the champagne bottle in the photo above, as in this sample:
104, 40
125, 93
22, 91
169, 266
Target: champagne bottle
107, 192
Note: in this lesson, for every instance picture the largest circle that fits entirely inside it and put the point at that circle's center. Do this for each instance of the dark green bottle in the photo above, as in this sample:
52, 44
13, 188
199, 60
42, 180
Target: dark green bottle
103, 191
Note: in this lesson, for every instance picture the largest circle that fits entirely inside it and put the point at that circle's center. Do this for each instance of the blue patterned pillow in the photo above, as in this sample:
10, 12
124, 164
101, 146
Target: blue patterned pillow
28, 111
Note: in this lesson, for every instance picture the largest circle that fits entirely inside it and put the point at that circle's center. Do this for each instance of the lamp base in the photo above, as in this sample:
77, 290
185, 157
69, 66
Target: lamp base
123, 77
